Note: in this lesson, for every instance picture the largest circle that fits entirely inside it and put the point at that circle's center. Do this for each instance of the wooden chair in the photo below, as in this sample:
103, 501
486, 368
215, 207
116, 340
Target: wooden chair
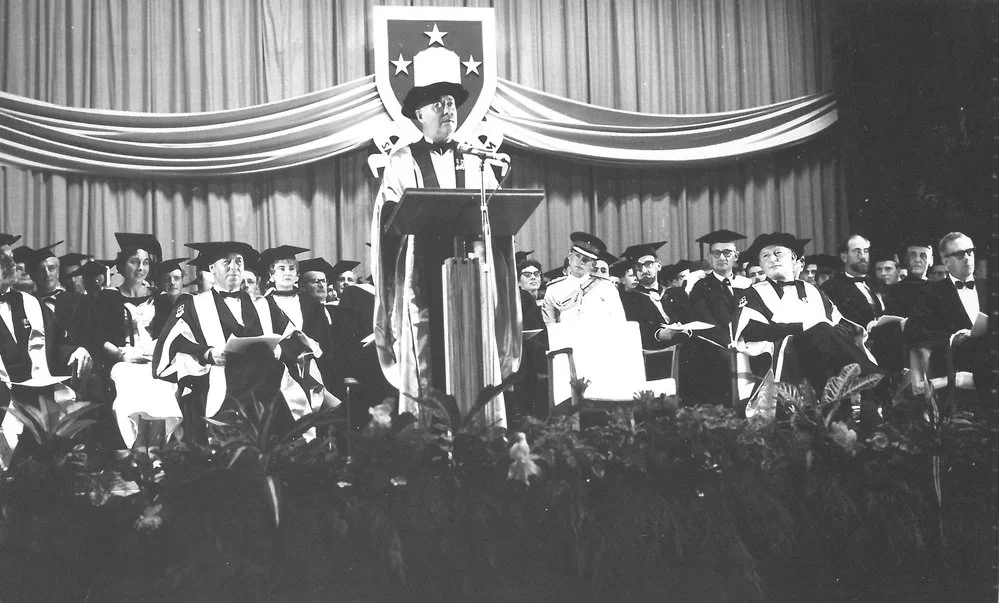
609, 356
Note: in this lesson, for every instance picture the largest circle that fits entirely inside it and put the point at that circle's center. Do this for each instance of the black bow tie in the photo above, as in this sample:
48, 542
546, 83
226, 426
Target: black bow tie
232, 294
290, 293
857, 279
784, 283
964, 284
439, 148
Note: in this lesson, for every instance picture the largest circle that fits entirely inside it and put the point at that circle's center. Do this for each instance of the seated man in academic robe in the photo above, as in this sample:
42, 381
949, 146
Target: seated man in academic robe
651, 307
192, 348
861, 299
705, 373
32, 349
781, 306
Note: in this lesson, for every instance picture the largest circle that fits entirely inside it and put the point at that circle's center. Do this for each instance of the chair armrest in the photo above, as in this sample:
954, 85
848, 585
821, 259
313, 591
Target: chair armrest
551, 355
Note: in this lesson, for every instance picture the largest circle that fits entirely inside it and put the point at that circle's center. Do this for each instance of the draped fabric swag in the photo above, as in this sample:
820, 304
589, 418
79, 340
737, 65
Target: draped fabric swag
642, 119
337, 120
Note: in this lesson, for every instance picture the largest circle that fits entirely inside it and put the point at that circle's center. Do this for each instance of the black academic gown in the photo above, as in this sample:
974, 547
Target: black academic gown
352, 324
902, 296
651, 309
885, 341
816, 354
259, 374
705, 375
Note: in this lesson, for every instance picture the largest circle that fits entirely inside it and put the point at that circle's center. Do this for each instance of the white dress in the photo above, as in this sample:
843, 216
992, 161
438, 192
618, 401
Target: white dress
139, 394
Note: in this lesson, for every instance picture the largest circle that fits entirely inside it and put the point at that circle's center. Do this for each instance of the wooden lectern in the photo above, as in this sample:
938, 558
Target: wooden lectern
463, 318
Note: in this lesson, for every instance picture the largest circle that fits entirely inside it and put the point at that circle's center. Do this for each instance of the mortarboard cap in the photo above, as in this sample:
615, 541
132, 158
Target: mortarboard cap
168, 266
883, 255
8, 239
636, 252
342, 266
210, 252
587, 244
721, 236
40, 255
800, 249
21, 254
554, 273
520, 256
73, 258
130, 242
668, 273
683, 265
281, 252
824, 260
619, 267
772, 238
316, 265
93, 268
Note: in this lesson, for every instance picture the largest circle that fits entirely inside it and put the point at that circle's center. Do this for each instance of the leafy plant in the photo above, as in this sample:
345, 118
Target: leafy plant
250, 437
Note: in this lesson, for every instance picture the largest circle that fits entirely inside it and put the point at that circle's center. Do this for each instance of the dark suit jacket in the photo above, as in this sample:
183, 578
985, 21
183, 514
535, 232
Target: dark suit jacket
641, 308
939, 313
903, 295
531, 311
711, 302
75, 314
851, 302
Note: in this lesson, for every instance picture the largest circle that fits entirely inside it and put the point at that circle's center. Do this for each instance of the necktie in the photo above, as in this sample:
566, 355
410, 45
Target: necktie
965, 284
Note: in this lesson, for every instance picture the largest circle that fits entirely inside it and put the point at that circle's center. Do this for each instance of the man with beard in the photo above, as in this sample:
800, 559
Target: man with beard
32, 346
950, 307
651, 307
861, 298
704, 360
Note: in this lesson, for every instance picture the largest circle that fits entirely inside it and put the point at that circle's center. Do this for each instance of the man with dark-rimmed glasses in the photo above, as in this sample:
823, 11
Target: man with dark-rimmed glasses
950, 307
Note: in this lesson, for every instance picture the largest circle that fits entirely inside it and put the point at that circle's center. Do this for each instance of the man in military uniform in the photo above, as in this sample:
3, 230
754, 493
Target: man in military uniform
581, 296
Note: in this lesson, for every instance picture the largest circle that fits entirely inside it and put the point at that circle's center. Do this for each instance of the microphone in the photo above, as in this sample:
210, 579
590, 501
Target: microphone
467, 149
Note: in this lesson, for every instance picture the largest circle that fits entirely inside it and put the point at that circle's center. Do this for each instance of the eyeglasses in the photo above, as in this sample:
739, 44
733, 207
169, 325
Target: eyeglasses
960, 253
717, 253
446, 102
530, 273
647, 264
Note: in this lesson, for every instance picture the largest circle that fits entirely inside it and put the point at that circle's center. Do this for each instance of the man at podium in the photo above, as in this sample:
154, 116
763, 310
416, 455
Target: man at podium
406, 269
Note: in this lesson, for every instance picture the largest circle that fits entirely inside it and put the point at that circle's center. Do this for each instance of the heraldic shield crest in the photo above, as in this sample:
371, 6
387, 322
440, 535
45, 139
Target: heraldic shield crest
418, 46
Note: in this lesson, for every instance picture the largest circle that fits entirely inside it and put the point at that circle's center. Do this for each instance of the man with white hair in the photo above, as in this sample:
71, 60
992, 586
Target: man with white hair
782, 305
